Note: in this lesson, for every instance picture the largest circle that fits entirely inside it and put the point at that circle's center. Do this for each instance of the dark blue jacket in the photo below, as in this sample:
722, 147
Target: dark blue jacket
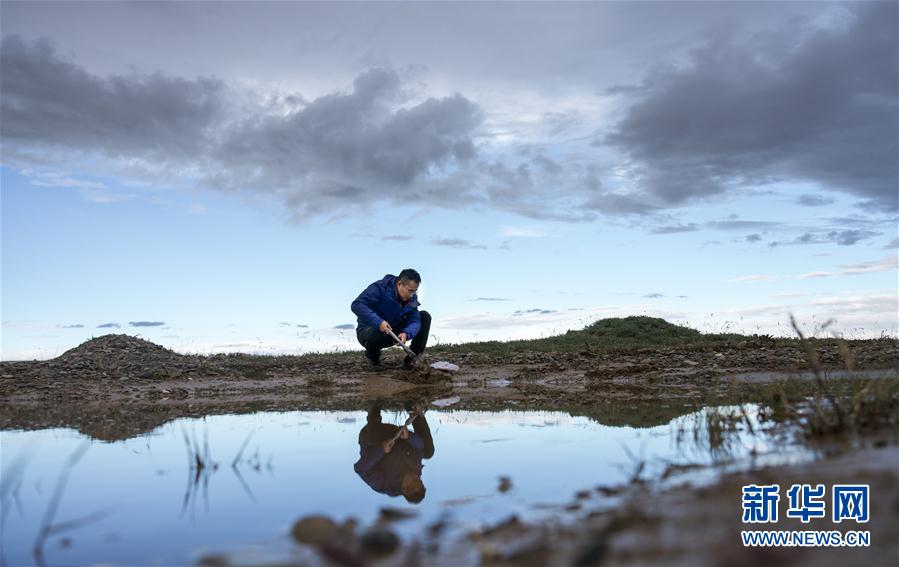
379, 302
383, 472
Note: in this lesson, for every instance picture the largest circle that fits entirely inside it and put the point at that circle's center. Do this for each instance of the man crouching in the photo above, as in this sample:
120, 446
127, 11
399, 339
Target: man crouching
391, 304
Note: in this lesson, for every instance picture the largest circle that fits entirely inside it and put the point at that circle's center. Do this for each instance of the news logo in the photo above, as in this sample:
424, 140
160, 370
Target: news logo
848, 502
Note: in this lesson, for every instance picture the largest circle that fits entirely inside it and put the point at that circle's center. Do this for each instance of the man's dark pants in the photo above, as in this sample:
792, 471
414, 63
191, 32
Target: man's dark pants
374, 340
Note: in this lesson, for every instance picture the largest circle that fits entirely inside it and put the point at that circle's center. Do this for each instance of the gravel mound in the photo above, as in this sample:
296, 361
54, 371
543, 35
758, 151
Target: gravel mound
125, 356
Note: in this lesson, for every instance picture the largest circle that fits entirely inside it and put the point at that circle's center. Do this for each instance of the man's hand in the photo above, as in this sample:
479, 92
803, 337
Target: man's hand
404, 433
387, 445
402, 337
385, 327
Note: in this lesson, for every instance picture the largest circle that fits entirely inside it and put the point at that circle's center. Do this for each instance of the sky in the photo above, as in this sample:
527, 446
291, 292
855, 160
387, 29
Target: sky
228, 177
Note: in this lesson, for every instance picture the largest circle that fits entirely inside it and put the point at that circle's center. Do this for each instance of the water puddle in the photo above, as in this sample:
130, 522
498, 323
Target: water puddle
237, 482
827, 374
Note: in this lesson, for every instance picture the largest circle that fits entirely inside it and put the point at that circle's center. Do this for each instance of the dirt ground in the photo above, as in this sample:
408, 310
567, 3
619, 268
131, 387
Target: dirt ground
124, 387
116, 386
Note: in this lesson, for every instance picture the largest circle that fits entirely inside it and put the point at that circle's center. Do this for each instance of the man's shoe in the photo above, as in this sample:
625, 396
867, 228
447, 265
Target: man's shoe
373, 360
409, 362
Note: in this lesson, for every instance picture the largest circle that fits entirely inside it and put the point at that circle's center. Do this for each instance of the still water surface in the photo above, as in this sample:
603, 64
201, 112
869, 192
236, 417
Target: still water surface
146, 502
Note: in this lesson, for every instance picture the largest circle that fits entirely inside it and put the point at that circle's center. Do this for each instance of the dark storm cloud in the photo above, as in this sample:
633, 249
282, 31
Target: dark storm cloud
817, 106
51, 102
345, 326
457, 243
146, 323
621, 204
109, 326
814, 200
338, 151
345, 148
839, 237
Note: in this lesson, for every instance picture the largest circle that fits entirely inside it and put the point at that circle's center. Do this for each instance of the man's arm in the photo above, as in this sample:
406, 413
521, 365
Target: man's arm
363, 306
423, 435
413, 325
370, 455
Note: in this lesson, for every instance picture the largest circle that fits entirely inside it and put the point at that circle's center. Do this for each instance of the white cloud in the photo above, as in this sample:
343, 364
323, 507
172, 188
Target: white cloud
754, 278
883, 265
58, 179
812, 275
521, 232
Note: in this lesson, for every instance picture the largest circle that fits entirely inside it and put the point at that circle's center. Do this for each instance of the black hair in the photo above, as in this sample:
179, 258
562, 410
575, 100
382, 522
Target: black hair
409, 275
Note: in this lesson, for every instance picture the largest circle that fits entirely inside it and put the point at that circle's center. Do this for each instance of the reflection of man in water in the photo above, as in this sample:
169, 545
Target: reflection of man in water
394, 467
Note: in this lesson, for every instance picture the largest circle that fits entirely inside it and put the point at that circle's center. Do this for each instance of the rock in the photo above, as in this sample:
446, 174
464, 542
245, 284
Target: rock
505, 484
446, 402
396, 514
379, 541
592, 553
314, 530
445, 366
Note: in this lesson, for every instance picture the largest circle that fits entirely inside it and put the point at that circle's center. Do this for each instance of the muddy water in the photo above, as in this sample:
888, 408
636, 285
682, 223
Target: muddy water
145, 500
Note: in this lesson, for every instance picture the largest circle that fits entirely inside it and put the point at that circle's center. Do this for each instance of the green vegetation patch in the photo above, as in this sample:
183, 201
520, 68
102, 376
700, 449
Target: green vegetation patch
615, 333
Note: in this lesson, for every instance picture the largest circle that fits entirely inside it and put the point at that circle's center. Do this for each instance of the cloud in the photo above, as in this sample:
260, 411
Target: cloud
345, 326
885, 264
490, 299
690, 227
50, 102
396, 237
753, 278
457, 243
58, 179
491, 321
805, 103
814, 200
146, 323
537, 311
733, 224
615, 203
753, 237
345, 149
858, 303
521, 232
301, 326
283, 324
892, 244
341, 151
813, 275
76, 326
109, 326
653, 295
840, 237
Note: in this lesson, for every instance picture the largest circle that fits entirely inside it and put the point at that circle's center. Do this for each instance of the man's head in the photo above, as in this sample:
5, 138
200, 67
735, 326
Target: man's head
407, 284
412, 487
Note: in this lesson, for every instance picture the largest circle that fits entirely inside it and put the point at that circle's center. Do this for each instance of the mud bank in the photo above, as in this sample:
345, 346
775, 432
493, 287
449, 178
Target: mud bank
116, 386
